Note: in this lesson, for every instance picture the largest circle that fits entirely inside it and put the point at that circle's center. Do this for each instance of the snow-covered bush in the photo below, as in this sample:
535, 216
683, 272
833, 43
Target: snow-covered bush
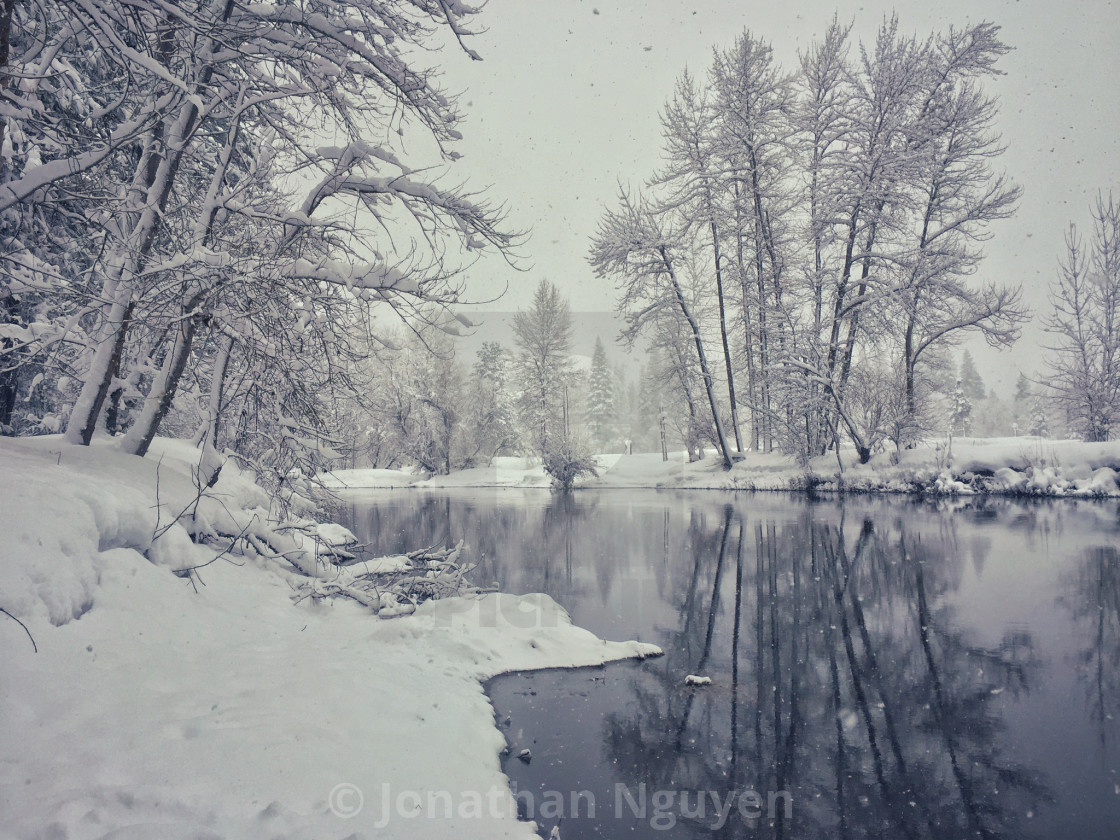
567, 460
946, 485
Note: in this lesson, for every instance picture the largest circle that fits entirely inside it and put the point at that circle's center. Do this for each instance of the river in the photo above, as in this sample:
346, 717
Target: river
880, 666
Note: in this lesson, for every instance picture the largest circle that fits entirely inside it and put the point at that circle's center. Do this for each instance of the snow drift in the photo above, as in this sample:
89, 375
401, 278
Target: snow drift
215, 706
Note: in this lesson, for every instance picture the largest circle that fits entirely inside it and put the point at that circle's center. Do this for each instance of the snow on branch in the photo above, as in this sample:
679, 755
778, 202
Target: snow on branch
394, 586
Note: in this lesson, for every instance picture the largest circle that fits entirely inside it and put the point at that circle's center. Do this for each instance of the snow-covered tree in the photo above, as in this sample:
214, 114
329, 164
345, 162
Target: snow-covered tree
602, 409
1021, 405
645, 425
960, 416
633, 247
955, 196
491, 414
676, 407
416, 402
226, 170
751, 96
543, 366
970, 379
627, 406
567, 458
1084, 359
844, 204
1039, 419
690, 185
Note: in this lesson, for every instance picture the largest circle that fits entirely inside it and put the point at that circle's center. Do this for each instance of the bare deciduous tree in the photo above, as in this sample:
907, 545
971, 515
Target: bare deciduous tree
631, 248
847, 204
1085, 321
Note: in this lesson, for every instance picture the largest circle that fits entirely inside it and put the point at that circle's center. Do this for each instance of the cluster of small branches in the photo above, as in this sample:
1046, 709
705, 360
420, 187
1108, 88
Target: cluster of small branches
433, 573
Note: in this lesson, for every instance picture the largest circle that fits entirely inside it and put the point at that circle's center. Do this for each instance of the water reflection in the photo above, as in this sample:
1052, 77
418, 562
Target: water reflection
901, 670
1092, 595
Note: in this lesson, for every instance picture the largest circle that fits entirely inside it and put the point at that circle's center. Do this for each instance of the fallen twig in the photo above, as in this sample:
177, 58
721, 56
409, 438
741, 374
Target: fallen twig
34, 646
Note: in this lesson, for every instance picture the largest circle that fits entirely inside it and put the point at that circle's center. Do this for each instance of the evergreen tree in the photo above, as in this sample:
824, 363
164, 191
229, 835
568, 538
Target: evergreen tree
602, 409
631, 426
1039, 422
971, 382
544, 367
644, 424
961, 419
1022, 406
491, 414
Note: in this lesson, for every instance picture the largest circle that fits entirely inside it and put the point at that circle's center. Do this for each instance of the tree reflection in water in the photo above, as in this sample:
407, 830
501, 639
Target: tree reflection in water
1092, 595
861, 696
843, 668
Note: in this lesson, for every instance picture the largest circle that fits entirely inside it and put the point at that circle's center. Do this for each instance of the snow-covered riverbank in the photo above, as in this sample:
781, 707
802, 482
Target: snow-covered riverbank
1018, 466
160, 706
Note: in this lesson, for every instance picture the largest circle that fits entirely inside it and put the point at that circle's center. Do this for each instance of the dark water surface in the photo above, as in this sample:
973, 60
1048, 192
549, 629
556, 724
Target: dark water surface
880, 667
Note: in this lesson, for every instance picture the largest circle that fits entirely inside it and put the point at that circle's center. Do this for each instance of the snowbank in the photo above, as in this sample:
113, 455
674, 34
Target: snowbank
64, 506
502, 472
367, 478
1017, 466
158, 706
1020, 465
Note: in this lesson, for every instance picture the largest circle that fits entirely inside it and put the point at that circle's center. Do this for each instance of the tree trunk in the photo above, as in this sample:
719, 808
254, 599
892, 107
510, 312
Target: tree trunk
143, 431
150, 190
86, 411
9, 384
726, 346
7, 9
217, 388
119, 286
7, 398
861, 291
113, 412
705, 370
909, 362
748, 349
690, 431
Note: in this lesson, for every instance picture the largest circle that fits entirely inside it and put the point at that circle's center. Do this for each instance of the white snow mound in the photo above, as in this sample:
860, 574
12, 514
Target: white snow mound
216, 707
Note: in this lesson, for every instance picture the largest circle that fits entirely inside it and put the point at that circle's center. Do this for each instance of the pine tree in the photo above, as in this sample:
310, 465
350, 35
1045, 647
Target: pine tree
1022, 404
602, 410
544, 367
491, 414
1039, 422
625, 402
970, 379
644, 423
961, 419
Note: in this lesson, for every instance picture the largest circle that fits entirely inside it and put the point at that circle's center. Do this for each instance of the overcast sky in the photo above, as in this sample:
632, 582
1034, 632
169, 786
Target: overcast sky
566, 100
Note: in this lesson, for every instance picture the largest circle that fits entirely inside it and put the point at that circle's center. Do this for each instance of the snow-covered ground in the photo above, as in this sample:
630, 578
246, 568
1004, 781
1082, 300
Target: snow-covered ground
1017, 465
159, 706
